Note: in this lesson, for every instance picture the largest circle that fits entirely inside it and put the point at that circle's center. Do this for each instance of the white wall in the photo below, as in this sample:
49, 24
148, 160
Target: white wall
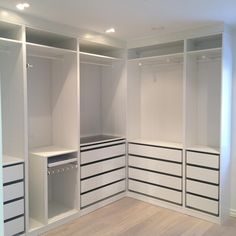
233, 151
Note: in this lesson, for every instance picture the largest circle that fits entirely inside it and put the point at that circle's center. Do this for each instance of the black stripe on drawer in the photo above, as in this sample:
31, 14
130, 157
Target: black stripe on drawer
152, 145
210, 153
207, 212
15, 164
95, 148
203, 167
113, 195
202, 181
158, 172
13, 218
101, 143
155, 159
158, 185
106, 159
14, 200
202, 196
102, 173
164, 200
13, 182
103, 186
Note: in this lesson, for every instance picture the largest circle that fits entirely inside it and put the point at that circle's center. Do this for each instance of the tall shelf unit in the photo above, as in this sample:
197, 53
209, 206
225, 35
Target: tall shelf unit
179, 118
102, 125
53, 129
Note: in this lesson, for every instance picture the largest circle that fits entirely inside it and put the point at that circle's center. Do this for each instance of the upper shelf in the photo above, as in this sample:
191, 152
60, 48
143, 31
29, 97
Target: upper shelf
91, 58
10, 31
49, 39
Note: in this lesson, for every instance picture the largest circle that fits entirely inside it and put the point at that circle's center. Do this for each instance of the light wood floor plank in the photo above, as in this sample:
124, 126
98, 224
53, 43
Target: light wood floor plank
130, 217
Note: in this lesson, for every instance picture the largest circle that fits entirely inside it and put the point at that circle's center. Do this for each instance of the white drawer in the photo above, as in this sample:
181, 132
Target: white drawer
155, 165
13, 173
202, 204
14, 226
155, 178
155, 191
13, 209
102, 193
211, 176
101, 180
202, 159
203, 189
102, 153
100, 167
13, 191
156, 152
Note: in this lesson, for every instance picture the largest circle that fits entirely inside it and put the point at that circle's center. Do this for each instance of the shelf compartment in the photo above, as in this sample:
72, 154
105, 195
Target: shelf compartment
10, 31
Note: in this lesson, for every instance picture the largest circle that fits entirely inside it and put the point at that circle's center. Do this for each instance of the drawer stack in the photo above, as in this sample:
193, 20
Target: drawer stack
13, 196
102, 171
202, 182
155, 172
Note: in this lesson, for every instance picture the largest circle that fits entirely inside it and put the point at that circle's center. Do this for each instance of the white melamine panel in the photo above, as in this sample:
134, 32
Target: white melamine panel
14, 227
156, 152
155, 178
162, 101
102, 153
101, 180
13, 173
202, 204
103, 166
14, 209
155, 191
203, 159
203, 189
203, 97
211, 176
13, 191
102, 193
155, 165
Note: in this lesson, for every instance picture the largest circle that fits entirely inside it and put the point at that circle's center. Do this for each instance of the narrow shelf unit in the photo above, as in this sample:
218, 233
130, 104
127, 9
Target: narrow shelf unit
102, 91
155, 98
53, 137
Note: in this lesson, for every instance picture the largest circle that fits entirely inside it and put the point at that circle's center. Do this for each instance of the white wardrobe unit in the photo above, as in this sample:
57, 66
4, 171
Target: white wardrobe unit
13, 130
102, 125
179, 125
53, 128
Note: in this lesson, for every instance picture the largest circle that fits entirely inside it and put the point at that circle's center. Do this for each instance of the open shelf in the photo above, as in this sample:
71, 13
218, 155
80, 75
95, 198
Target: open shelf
10, 31
34, 224
57, 211
98, 139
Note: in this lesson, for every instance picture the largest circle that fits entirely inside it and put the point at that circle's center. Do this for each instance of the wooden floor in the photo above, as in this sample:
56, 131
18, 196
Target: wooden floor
133, 217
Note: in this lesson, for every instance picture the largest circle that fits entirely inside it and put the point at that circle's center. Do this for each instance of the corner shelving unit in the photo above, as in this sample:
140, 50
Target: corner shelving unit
52, 126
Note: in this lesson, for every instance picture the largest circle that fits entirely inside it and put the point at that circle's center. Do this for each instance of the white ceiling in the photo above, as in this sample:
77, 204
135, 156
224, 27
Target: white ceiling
132, 18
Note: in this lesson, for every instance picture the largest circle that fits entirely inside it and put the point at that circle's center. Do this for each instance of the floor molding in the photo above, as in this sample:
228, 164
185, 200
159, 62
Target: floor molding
233, 212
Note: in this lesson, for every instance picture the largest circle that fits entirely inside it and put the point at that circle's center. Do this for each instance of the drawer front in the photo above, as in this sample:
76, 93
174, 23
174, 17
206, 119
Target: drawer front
155, 165
202, 204
156, 152
210, 176
202, 159
13, 173
13, 209
102, 153
156, 192
13, 191
202, 189
103, 166
14, 227
155, 178
102, 193
95, 182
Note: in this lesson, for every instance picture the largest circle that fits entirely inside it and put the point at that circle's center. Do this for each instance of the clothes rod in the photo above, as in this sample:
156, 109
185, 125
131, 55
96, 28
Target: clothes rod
96, 64
45, 57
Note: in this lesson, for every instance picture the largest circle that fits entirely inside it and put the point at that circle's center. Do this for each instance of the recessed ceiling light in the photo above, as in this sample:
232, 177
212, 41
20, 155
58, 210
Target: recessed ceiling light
111, 30
22, 6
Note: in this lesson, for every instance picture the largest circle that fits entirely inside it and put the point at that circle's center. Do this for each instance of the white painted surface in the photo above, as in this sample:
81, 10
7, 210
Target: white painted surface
13, 191
13, 173
14, 227
156, 152
13, 209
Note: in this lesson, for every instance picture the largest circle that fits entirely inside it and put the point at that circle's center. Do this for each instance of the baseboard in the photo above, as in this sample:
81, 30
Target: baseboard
233, 212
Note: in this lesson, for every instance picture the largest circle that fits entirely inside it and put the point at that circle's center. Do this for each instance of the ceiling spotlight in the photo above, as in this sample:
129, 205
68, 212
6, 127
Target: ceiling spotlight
140, 63
111, 30
22, 6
